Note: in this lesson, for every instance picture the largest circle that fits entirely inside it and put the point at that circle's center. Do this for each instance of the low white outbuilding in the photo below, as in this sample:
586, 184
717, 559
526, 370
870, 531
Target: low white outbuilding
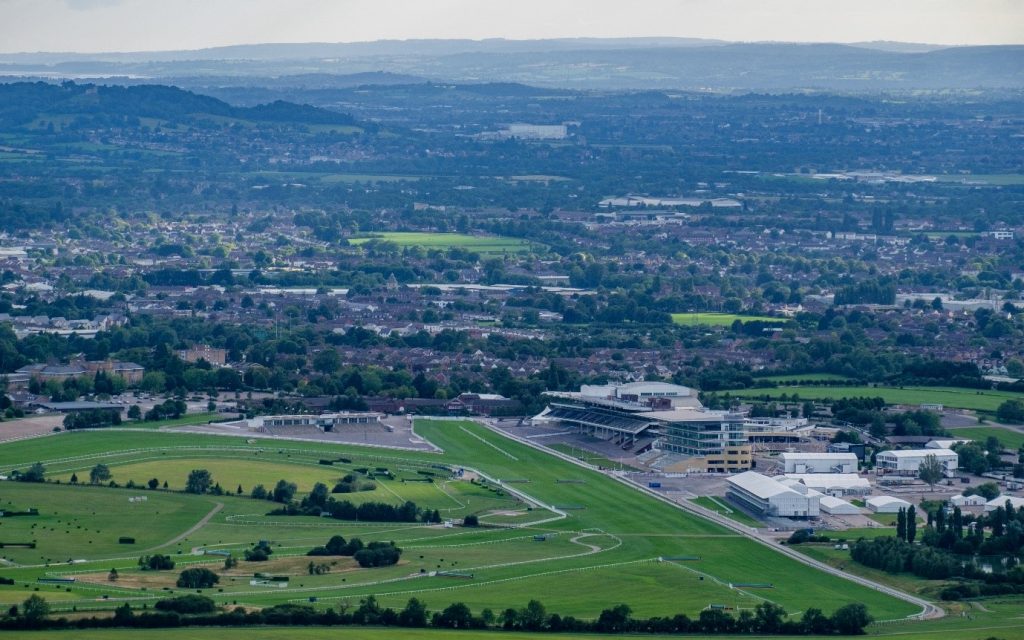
813, 462
837, 507
886, 504
967, 501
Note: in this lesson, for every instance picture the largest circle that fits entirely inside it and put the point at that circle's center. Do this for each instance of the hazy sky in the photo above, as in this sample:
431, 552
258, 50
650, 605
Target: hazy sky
137, 25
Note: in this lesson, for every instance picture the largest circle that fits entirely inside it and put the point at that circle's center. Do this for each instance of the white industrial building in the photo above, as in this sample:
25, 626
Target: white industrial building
967, 501
907, 461
837, 507
834, 484
767, 496
819, 462
886, 504
995, 503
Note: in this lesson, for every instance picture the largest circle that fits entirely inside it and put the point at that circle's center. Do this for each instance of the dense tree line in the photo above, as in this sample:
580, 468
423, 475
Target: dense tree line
196, 610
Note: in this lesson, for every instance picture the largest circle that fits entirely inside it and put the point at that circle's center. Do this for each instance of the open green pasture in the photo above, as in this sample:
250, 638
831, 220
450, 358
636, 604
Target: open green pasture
578, 546
720, 319
426, 240
976, 399
1010, 439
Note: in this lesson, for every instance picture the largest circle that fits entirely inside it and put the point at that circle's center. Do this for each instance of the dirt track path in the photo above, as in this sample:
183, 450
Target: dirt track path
196, 527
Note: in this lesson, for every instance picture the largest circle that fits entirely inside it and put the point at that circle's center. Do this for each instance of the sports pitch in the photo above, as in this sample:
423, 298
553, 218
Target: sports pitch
602, 543
480, 244
720, 319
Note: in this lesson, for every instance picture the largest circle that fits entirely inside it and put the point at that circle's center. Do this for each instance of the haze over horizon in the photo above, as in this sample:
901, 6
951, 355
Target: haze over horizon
97, 26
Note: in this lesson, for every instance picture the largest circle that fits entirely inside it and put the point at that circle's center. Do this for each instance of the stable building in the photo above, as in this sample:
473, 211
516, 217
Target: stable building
818, 462
769, 497
908, 461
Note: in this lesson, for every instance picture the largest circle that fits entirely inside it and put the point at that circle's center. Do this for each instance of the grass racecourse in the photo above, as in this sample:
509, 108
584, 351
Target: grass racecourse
578, 546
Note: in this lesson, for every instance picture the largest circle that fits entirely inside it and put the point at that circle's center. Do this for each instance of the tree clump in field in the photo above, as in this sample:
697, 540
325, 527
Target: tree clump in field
197, 578
199, 481
156, 562
337, 546
191, 603
35, 473
260, 552
378, 554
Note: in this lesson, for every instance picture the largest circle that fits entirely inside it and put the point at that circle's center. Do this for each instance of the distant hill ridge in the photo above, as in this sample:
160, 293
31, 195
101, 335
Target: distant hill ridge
584, 63
21, 102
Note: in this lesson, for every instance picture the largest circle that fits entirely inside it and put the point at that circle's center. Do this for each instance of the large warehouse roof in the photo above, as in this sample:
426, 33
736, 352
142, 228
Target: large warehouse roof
756, 484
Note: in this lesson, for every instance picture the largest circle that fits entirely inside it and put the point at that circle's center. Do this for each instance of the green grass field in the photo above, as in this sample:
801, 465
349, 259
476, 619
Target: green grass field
975, 399
480, 244
719, 319
1012, 440
603, 539
719, 505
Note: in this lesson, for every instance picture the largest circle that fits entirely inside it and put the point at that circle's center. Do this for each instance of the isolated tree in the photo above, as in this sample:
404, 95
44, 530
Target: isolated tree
901, 524
851, 619
911, 523
471, 521
134, 412
34, 609
153, 483
199, 481
113, 575
931, 471
284, 491
99, 473
74, 478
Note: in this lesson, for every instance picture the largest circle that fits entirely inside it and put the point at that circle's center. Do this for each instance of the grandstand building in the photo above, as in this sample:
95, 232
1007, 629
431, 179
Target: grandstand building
641, 415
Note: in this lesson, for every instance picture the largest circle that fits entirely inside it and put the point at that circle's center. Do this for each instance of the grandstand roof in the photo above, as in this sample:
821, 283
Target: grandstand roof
686, 414
598, 418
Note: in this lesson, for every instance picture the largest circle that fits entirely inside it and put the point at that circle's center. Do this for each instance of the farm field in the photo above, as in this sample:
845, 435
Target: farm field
1010, 439
976, 399
719, 319
584, 544
481, 244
